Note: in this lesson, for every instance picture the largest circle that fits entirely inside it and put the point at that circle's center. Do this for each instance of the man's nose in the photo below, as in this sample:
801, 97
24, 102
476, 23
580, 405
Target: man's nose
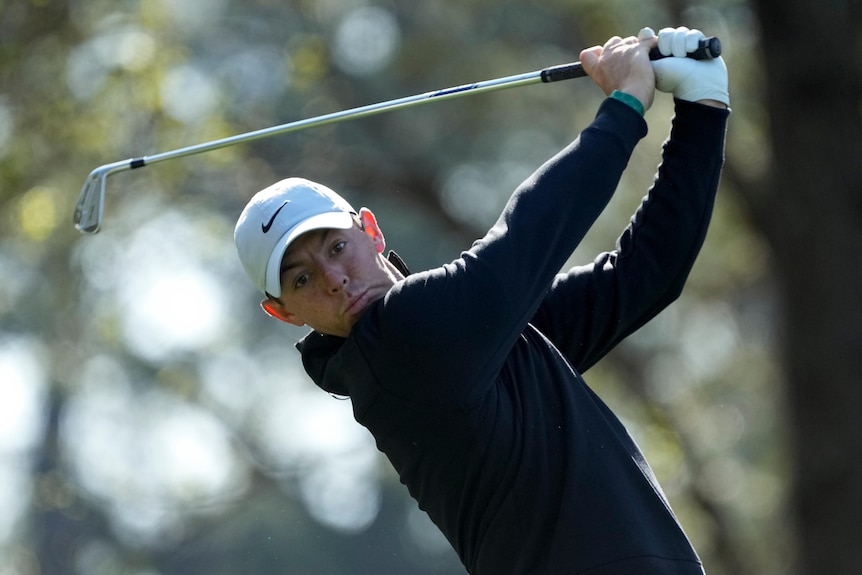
336, 279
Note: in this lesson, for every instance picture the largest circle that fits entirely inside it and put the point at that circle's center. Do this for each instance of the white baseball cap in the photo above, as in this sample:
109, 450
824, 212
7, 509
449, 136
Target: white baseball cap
276, 216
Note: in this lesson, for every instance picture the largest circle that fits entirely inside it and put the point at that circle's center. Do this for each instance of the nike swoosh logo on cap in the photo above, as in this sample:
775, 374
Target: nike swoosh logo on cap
265, 227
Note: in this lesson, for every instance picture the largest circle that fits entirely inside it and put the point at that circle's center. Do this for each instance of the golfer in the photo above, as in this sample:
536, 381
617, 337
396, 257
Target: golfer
469, 375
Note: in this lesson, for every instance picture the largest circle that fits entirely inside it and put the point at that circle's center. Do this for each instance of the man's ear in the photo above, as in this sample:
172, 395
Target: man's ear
369, 224
275, 309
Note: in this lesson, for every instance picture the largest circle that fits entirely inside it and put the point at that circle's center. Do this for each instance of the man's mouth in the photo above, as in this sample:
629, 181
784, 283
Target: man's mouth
356, 304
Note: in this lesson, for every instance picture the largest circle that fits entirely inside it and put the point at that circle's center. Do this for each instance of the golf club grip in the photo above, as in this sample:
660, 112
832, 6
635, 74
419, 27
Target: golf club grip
707, 49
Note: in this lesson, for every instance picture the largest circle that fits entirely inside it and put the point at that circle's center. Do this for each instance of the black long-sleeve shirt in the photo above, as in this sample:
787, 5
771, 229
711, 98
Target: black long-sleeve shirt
468, 375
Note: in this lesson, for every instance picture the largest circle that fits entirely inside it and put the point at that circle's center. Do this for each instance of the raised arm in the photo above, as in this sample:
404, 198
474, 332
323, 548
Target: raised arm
593, 307
625, 288
456, 324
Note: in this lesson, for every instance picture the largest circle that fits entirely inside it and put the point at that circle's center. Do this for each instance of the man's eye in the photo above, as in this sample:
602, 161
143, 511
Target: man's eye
300, 281
338, 247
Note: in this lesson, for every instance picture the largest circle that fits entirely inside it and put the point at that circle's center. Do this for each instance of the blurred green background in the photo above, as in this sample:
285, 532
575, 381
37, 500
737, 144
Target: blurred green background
154, 422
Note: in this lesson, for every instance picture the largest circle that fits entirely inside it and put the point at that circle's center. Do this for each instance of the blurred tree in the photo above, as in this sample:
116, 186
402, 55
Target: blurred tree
809, 207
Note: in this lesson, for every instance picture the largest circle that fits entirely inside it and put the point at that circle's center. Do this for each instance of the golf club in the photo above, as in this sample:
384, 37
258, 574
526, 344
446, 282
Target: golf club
89, 209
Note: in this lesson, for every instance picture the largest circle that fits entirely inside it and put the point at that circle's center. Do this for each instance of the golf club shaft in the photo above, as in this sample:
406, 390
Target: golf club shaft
90, 205
554, 74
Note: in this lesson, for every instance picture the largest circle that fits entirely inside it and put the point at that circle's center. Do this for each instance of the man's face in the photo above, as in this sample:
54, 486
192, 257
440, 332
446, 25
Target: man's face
330, 276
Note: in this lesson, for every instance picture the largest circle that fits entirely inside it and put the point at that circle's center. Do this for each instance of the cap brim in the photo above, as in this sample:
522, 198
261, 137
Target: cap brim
330, 220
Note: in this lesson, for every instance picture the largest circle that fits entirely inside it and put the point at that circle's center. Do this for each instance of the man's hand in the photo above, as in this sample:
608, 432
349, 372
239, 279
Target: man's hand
702, 81
623, 64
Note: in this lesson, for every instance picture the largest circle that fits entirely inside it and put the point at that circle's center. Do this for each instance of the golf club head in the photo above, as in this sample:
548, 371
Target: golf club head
91, 203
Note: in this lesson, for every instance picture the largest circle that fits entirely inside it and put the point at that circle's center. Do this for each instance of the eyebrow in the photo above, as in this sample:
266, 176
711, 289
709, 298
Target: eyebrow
288, 264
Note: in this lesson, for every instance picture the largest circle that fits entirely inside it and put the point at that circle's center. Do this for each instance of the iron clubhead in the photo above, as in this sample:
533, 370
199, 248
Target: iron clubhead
91, 203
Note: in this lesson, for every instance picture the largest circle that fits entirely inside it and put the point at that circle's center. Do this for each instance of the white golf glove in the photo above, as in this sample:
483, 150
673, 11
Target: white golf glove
687, 78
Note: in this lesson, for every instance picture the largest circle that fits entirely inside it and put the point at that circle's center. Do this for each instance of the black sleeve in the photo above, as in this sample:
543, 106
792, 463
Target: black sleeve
448, 331
592, 308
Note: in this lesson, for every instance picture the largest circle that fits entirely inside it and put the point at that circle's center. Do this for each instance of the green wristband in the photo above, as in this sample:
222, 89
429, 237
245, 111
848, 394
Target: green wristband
630, 100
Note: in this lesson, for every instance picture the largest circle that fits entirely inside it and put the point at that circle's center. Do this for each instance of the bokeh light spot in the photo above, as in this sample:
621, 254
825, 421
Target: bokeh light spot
37, 213
366, 40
